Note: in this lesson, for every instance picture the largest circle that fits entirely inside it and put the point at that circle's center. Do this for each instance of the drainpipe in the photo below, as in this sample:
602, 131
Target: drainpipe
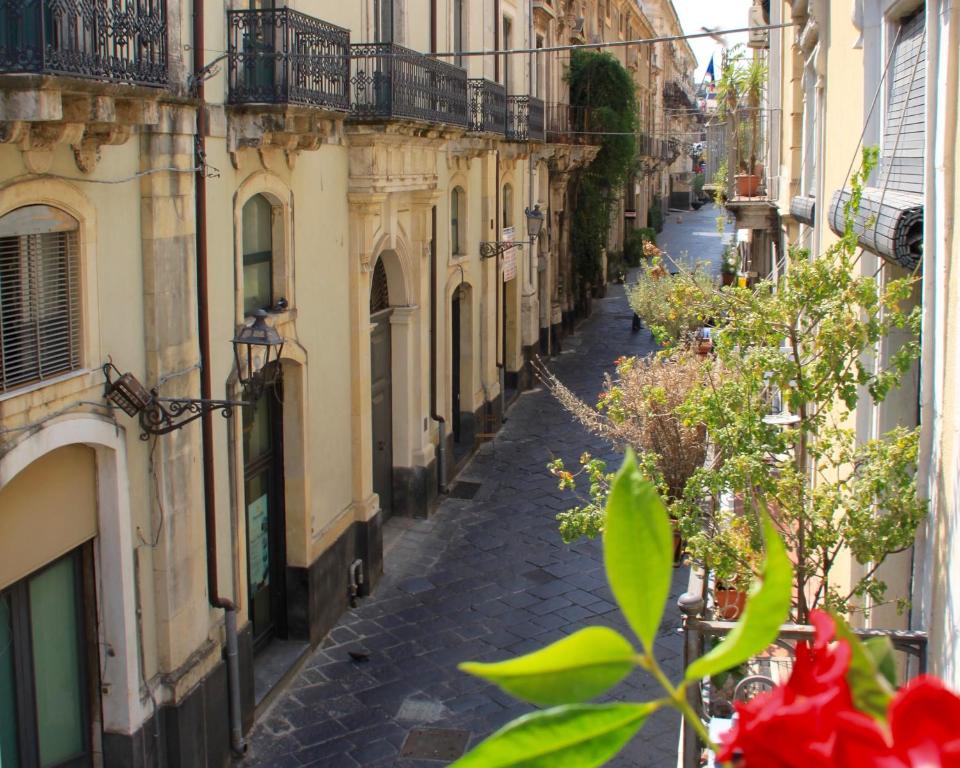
237, 743
499, 354
441, 422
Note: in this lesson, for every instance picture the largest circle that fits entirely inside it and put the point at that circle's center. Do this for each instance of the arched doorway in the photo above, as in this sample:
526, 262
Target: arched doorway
381, 388
266, 522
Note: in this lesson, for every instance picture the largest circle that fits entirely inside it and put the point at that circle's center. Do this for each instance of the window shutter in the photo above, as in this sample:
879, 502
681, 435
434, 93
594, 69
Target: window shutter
40, 297
901, 164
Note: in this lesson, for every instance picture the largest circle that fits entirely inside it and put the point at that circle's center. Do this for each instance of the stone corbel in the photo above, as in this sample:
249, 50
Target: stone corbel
290, 132
38, 140
86, 151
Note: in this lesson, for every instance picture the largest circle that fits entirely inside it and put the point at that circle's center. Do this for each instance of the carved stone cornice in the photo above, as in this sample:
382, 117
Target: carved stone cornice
291, 130
39, 120
366, 211
464, 150
387, 160
566, 158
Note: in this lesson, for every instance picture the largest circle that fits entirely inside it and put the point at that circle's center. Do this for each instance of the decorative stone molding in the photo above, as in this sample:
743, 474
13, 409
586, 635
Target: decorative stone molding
366, 211
389, 159
38, 121
291, 130
566, 158
464, 150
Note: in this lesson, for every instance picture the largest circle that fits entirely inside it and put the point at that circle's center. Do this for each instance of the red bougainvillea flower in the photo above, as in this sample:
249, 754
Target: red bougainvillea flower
924, 732
794, 725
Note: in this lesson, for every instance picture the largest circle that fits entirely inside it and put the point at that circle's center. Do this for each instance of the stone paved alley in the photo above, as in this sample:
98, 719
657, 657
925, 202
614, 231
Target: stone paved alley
482, 579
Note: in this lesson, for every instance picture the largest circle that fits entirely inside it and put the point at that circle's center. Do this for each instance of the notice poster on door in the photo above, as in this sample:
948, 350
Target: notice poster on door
258, 536
509, 257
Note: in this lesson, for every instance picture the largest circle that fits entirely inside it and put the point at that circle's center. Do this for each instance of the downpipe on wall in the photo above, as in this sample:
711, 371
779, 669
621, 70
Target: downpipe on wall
237, 743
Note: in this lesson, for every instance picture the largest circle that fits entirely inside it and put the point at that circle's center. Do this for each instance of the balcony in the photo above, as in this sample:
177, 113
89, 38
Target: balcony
677, 94
567, 124
281, 56
525, 118
124, 41
488, 107
388, 82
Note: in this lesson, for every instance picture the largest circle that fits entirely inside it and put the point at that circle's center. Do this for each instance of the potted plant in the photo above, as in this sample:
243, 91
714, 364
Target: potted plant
739, 95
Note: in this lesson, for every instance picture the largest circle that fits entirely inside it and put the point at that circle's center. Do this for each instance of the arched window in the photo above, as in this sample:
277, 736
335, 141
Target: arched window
39, 295
507, 200
457, 221
257, 254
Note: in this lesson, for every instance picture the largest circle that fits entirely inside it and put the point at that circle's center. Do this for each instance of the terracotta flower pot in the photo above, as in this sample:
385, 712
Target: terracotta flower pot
747, 184
729, 601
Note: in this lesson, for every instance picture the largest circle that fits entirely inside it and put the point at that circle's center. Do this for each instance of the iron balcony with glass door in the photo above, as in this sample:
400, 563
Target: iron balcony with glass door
123, 41
525, 118
282, 56
389, 82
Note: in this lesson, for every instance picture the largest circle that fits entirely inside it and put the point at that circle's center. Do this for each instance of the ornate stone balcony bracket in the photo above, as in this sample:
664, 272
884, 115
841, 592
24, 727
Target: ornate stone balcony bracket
39, 120
291, 130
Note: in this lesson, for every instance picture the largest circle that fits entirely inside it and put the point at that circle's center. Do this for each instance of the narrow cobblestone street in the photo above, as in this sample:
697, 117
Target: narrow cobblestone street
484, 578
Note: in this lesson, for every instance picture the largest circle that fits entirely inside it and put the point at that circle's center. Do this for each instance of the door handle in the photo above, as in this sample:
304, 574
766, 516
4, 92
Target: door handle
381, 445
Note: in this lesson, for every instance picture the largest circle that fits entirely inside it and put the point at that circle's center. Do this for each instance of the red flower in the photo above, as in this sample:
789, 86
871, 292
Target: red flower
924, 731
795, 724
811, 721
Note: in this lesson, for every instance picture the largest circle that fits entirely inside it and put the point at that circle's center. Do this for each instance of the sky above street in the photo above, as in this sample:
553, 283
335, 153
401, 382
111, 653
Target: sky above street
724, 14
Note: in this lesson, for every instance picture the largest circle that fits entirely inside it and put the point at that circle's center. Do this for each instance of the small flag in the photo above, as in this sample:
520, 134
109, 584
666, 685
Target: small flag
710, 74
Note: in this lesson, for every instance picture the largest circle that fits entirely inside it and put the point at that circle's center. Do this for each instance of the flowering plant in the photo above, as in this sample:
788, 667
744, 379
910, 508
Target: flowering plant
813, 720
838, 708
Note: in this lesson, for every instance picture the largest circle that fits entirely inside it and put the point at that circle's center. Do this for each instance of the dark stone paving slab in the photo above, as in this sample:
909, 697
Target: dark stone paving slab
483, 579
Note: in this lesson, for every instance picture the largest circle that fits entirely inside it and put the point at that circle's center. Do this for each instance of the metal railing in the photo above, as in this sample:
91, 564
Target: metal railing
390, 81
488, 106
698, 627
121, 41
525, 118
678, 95
282, 56
567, 124
746, 138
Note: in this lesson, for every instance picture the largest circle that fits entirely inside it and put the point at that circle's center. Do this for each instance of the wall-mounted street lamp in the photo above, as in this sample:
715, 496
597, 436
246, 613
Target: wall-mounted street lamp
255, 347
535, 219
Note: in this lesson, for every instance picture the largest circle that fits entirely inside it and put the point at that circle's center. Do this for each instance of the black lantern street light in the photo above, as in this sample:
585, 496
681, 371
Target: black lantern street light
535, 219
255, 347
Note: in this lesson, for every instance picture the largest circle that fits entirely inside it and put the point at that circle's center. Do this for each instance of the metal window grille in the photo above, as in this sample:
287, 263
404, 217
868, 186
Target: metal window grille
39, 304
379, 292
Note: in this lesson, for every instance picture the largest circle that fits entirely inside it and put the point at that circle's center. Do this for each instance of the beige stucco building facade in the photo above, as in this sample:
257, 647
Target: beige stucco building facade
151, 203
883, 73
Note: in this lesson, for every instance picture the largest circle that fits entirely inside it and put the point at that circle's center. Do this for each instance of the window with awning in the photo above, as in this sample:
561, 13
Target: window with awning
890, 220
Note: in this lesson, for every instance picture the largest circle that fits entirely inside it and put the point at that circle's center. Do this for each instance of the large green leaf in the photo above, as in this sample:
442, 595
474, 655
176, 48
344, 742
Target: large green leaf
638, 550
572, 736
767, 608
871, 692
577, 668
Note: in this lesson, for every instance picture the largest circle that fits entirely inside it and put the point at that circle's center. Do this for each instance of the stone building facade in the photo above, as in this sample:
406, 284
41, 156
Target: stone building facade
315, 163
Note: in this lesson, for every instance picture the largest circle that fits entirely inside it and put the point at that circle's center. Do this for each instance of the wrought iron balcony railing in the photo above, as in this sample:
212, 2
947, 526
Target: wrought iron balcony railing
281, 56
525, 119
120, 41
567, 124
389, 81
488, 107
678, 95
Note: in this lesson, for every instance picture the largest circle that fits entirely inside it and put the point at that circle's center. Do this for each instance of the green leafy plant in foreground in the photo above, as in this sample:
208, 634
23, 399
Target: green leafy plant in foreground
638, 558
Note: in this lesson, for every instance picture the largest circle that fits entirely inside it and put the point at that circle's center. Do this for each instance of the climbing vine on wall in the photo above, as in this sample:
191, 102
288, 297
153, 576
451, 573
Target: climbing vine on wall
602, 87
